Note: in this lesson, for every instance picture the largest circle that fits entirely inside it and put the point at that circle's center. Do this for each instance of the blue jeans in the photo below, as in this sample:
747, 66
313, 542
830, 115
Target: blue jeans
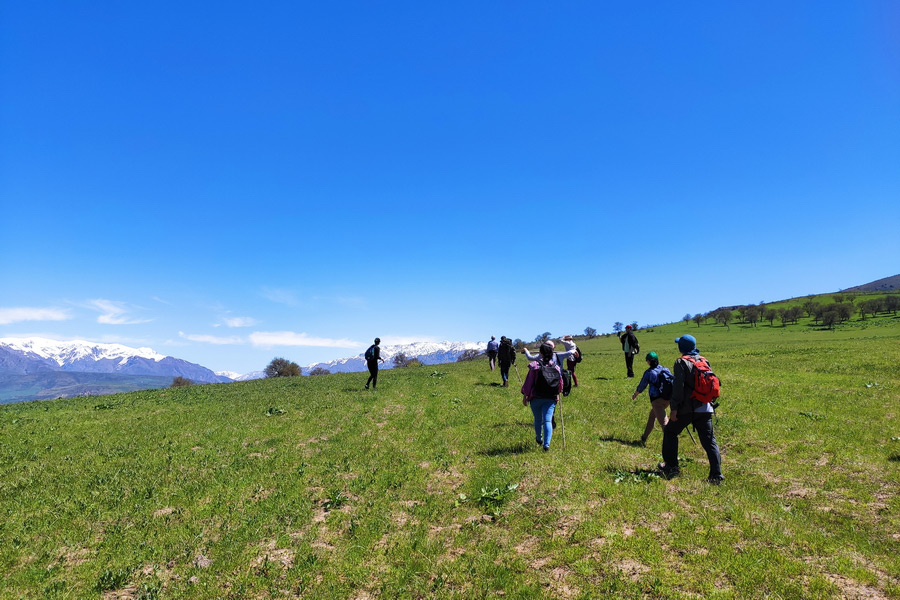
543, 408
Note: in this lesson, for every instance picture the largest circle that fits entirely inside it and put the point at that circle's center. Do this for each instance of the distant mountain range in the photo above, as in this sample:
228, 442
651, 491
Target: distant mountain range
427, 353
38, 368
41, 369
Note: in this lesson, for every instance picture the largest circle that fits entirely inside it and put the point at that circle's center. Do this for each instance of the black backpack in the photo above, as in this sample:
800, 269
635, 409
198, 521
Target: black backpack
578, 355
547, 384
370, 353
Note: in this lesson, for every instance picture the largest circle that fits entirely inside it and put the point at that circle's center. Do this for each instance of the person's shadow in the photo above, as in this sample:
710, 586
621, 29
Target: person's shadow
511, 449
632, 443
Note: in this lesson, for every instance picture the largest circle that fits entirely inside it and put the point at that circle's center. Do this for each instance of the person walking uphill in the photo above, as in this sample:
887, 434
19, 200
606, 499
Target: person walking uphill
541, 390
572, 361
631, 347
690, 407
659, 379
492, 348
507, 356
373, 355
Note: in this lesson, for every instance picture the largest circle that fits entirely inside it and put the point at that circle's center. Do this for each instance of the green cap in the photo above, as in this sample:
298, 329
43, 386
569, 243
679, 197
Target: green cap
653, 356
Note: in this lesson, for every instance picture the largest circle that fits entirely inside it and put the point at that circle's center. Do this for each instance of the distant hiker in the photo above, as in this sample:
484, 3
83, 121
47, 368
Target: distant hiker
541, 389
691, 405
572, 362
373, 355
659, 378
630, 346
507, 356
492, 348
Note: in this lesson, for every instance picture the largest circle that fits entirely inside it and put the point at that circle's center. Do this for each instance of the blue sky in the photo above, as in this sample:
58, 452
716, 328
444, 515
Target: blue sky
227, 183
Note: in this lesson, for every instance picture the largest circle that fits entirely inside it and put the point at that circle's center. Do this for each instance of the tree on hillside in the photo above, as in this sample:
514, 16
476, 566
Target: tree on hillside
618, 327
844, 311
753, 314
634, 325
518, 344
838, 298
892, 303
470, 354
829, 318
400, 360
590, 332
686, 318
770, 314
543, 337
725, 317
810, 307
181, 382
698, 318
281, 367
319, 371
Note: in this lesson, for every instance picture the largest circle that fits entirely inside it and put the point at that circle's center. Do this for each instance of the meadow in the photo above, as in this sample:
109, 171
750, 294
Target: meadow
433, 487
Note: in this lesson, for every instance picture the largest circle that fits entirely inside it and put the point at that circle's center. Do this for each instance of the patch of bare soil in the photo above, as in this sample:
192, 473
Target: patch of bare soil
168, 510
632, 568
560, 584
853, 590
272, 554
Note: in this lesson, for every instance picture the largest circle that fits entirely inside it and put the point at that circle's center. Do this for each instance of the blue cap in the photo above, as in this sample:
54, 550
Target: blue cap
686, 344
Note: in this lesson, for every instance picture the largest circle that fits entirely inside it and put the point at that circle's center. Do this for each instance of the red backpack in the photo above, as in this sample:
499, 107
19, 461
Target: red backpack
706, 383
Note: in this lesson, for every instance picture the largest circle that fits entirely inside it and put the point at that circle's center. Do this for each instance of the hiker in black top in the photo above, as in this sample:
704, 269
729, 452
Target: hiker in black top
630, 346
507, 356
687, 411
373, 355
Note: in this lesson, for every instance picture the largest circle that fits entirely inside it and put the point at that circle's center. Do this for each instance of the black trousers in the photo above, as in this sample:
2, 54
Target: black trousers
629, 363
703, 424
373, 373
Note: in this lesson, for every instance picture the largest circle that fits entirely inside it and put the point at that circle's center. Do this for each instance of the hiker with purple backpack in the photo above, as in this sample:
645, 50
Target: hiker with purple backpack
541, 390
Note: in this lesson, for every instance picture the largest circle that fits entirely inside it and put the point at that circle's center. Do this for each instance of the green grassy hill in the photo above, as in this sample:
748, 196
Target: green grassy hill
433, 487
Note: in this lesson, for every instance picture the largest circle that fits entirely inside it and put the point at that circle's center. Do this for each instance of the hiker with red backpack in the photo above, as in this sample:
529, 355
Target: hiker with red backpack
694, 394
541, 390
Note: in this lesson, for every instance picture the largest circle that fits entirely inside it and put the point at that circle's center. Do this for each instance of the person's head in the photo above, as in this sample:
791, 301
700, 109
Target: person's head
546, 350
493, 338
377, 340
653, 359
686, 344
567, 338
628, 328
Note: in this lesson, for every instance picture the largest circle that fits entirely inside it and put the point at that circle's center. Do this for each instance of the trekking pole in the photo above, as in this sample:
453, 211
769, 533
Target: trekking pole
562, 421
517, 373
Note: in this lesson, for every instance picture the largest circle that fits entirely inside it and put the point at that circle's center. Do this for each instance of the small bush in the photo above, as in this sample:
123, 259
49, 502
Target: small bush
181, 382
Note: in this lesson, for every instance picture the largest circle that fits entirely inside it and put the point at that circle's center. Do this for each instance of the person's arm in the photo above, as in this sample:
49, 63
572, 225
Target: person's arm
528, 386
529, 355
643, 384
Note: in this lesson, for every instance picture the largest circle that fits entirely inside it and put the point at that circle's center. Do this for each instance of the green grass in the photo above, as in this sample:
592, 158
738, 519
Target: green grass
433, 487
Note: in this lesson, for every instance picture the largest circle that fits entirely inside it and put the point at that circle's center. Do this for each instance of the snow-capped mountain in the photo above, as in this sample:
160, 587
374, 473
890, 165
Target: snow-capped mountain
245, 377
428, 353
35, 355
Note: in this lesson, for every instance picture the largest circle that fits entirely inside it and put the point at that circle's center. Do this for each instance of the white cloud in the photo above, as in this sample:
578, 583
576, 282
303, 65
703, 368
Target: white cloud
113, 313
400, 340
16, 315
241, 322
211, 339
289, 338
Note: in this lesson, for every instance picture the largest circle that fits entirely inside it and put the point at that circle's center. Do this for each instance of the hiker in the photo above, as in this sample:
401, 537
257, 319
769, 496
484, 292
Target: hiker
541, 389
631, 347
659, 380
492, 349
572, 362
559, 356
373, 355
687, 410
507, 356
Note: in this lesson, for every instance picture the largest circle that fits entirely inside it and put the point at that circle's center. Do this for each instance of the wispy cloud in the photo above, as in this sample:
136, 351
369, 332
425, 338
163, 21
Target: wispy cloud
17, 315
114, 313
267, 339
240, 322
402, 340
212, 339
280, 296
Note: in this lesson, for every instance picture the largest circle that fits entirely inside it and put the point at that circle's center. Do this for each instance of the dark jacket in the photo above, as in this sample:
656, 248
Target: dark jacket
507, 353
632, 341
682, 388
377, 354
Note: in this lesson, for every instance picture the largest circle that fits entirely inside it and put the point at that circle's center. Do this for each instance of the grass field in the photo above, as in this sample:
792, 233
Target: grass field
433, 487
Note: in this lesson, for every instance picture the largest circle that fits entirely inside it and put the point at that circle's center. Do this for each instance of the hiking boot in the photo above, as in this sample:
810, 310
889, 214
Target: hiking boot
367, 386
715, 480
666, 472
644, 441
546, 448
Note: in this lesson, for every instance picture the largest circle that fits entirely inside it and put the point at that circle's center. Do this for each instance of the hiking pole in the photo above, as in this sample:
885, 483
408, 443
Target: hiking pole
562, 421
517, 373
